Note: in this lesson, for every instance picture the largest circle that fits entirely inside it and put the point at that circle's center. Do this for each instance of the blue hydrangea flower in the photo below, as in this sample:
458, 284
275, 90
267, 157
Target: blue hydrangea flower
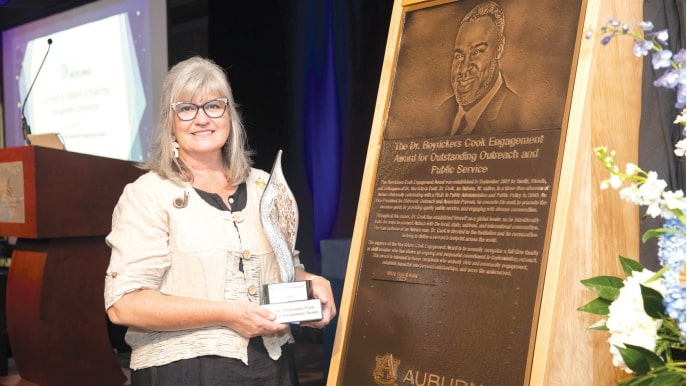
642, 47
646, 25
669, 79
671, 253
662, 36
661, 59
606, 39
681, 94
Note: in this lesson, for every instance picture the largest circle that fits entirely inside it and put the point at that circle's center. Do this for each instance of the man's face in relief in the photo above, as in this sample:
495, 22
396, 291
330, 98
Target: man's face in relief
475, 61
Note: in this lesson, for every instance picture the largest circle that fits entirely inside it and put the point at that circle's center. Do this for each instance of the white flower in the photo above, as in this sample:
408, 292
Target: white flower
627, 322
615, 181
681, 119
681, 147
654, 210
631, 168
672, 201
631, 194
652, 189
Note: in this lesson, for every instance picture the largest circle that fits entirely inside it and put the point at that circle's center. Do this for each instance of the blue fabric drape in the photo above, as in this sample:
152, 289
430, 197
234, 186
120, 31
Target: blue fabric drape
322, 128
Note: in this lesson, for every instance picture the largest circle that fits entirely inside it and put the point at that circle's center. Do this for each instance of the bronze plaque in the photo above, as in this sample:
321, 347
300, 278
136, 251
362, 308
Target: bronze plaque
452, 259
467, 152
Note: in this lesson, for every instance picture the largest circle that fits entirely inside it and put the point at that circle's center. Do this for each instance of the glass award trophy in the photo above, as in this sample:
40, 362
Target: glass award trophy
291, 301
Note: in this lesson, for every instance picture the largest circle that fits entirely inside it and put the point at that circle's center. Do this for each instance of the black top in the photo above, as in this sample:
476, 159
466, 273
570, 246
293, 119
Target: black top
237, 200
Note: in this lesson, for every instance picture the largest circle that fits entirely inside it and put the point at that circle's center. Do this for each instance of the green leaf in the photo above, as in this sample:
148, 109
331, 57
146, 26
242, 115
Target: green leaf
606, 287
654, 360
634, 360
630, 265
670, 379
599, 326
657, 232
639, 359
658, 275
597, 306
653, 302
638, 381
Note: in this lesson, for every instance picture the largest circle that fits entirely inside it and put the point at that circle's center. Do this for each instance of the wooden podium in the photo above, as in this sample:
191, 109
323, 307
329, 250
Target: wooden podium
59, 204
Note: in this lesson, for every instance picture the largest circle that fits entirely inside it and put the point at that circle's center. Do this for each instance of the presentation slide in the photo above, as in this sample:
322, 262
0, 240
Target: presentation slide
99, 84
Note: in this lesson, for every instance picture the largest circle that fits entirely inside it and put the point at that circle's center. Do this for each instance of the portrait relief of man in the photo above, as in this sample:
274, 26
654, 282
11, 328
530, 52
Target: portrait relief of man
483, 101
476, 67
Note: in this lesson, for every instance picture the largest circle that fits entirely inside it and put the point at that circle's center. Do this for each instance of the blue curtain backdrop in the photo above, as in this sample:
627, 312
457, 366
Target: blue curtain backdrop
322, 119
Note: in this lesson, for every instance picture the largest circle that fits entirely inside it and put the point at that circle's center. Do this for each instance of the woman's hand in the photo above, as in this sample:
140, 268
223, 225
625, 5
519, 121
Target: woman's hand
251, 320
322, 290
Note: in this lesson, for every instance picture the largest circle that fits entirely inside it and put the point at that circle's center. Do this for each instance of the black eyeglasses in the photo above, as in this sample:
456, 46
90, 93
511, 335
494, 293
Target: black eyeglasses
187, 111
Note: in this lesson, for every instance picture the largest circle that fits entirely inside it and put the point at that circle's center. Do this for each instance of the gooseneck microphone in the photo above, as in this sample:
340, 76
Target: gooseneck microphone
24, 125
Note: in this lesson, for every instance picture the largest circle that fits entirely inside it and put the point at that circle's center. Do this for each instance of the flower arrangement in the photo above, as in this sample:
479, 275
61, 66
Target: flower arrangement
645, 311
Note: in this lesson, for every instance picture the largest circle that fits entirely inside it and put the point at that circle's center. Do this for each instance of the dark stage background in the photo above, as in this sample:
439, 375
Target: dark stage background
306, 74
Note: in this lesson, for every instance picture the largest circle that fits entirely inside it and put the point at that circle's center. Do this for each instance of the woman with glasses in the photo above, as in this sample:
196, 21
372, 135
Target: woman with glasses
189, 254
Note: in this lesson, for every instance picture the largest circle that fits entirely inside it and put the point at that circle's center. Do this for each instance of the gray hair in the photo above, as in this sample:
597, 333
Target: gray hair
189, 78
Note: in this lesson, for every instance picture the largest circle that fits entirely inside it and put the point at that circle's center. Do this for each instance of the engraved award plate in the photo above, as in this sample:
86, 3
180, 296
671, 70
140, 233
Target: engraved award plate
291, 301
295, 312
287, 292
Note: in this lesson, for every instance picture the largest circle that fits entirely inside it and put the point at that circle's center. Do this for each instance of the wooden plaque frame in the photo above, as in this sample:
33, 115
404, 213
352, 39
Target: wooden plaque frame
560, 350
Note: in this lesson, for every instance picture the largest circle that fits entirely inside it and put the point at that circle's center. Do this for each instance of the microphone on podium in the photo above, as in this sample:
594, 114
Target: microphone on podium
24, 125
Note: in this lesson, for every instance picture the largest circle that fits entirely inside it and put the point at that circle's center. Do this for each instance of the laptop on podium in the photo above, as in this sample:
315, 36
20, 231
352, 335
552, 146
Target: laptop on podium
52, 140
